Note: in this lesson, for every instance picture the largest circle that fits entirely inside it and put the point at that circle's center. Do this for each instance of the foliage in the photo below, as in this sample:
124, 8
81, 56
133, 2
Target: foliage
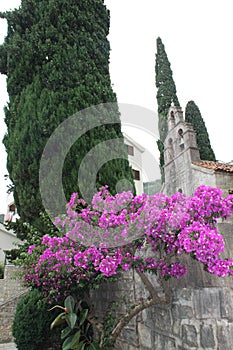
11, 255
56, 58
1, 270
102, 239
166, 94
108, 325
77, 333
31, 323
161, 159
193, 116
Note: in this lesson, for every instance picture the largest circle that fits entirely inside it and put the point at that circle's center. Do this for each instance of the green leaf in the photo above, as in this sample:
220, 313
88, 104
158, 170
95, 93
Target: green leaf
81, 346
72, 342
67, 343
83, 316
69, 303
58, 320
65, 332
88, 324
77, 306
75, 340
94, 346
71, 319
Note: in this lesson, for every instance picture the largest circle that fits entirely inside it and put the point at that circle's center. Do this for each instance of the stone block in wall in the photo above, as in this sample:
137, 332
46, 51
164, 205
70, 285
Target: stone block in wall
144, 334
128, 334
176, 328
207, 338
124, 346
189, 335
180, 311
162, 342
182, 304
207, 303
225, 335
226, 303
183, 295
169, 344
161, 318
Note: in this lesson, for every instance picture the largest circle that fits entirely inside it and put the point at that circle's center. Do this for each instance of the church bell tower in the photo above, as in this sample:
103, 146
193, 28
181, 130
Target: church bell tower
180, 150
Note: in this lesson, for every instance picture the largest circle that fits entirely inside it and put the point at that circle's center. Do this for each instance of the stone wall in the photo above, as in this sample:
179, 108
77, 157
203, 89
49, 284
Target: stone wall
196, 319
200, 315
224, 181
199, 176
122, 291
11, 290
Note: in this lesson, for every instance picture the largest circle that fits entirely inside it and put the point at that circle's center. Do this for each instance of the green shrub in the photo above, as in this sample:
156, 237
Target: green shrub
1, 270
31, 325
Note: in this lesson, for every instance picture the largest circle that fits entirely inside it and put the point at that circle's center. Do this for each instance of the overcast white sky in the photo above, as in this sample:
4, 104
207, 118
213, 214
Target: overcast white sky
198, 39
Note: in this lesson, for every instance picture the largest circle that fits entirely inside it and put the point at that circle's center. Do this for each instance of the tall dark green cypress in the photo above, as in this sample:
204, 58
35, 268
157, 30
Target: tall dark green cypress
193, 116
166, 94
56, 58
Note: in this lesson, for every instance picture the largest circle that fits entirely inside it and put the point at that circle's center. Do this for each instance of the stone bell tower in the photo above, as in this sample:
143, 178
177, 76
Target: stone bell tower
180, 150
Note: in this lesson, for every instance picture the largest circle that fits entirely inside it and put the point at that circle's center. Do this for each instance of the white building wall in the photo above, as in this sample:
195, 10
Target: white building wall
7, 240
135, 161
11, 211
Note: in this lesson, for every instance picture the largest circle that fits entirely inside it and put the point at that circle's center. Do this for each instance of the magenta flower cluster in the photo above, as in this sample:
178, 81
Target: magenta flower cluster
113, 233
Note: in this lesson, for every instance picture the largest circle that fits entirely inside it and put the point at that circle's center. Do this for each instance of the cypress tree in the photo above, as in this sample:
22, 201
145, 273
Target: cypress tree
166, 95
56, 58
193, 116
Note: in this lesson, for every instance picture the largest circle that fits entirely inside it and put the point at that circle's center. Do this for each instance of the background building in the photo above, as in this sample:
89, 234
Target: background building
11, 212
7, 241
183, 168
135, 152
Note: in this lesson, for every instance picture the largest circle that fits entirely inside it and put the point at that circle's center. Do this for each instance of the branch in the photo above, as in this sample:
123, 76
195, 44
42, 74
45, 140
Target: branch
149, 286
154, 299
166, 289
125, 319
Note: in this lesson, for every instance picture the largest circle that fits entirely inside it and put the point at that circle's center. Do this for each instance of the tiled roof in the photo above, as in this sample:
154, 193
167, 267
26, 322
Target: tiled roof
215, 166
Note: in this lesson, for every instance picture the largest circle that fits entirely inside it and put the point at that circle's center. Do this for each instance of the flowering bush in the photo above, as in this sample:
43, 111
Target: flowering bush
103, 238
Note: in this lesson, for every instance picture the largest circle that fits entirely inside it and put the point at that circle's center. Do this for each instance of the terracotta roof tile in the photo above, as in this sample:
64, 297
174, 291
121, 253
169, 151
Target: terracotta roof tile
215, 166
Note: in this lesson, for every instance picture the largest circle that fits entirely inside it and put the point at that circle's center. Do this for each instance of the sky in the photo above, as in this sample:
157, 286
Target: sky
198, 40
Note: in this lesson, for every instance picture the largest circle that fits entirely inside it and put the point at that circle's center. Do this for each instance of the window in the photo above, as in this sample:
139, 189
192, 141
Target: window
130, 150
172, 119
136, 174
181, 139
172, 116
180, 132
